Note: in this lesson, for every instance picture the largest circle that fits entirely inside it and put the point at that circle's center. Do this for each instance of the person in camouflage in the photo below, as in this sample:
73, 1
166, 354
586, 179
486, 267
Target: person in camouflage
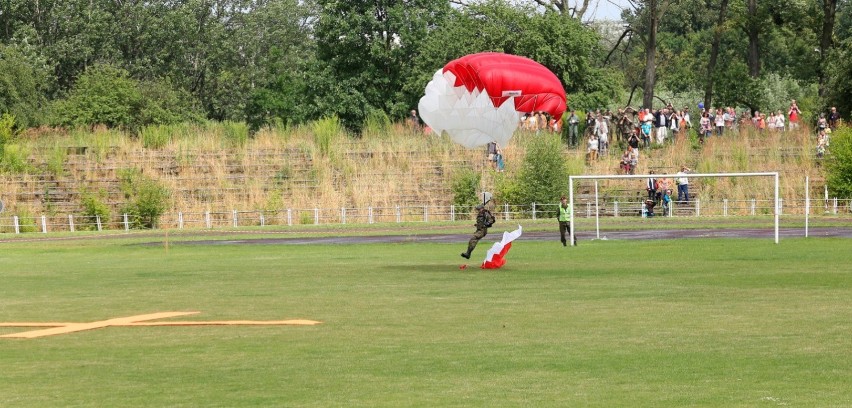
484, 220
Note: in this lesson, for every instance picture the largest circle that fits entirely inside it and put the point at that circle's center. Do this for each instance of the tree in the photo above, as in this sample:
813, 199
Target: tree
22, 86
365, 50
565, 46
838, 173
104, 95
714, 53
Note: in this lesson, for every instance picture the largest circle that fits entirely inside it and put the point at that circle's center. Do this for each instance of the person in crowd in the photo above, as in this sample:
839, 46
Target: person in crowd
729, 118
833, 118
719, 121
793, 115
666, 201
821, 144
491, 151
646, 132
499, 160
633, 141
770, 122
651, 186
624, 165
573, 127
649, 208
592, 150
602, 131
682, 184
780, 124
761, 122
564, 219
661, 123
413, 120
590, 124
705, 126
484, 220
822, 122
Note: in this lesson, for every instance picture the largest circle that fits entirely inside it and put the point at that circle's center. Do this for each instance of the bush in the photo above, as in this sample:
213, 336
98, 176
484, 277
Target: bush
93, 207
838, 171
543, 177
465, 188
147, 199
104, 95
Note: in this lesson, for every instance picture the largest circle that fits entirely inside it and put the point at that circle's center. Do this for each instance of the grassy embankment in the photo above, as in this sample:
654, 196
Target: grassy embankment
217, 167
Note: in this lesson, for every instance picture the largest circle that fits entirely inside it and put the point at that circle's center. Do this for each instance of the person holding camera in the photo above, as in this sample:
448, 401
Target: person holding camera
484, 220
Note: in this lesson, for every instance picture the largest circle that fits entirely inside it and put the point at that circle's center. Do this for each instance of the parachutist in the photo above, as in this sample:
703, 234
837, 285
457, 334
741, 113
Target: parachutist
484, 220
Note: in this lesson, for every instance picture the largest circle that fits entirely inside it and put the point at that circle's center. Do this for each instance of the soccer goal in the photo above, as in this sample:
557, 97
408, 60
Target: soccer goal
594, 201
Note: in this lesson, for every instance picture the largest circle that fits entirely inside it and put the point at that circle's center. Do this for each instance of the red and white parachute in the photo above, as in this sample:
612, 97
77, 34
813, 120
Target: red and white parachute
480, 97
496, 256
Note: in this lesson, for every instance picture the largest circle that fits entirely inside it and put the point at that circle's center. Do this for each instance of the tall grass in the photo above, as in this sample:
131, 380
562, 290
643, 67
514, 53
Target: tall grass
218, 167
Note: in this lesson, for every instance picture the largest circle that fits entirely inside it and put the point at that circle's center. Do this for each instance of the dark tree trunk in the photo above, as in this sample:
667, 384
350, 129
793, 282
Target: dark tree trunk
714, 53
826, 42
651, 55
753, 40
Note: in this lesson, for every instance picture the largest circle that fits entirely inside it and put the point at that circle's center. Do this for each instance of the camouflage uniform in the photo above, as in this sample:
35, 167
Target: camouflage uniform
484, 220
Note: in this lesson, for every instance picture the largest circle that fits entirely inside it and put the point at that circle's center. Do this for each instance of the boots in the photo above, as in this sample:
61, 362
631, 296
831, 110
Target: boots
465, 255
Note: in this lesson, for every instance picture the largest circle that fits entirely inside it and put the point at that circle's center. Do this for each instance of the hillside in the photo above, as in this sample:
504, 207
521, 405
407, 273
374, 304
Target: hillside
281, 169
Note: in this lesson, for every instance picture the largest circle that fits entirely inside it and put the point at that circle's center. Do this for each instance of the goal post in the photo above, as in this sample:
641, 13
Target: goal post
571, 179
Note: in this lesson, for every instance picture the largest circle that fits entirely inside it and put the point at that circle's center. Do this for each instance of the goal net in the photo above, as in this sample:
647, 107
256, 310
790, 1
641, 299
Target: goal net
611, 196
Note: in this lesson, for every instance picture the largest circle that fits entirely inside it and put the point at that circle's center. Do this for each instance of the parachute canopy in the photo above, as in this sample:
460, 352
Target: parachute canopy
496, 256
479, 98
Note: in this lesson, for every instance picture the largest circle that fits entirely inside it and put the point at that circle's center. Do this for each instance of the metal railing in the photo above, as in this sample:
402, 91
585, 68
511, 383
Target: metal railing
416, 213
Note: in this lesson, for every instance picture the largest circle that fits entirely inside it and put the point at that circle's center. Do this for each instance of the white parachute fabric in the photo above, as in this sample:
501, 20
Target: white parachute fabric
469, 118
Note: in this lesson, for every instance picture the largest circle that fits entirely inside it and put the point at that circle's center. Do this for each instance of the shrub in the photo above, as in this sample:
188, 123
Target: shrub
155, 136
147, 199
838, 172
93, 207
465, 188
543, 176
104, 95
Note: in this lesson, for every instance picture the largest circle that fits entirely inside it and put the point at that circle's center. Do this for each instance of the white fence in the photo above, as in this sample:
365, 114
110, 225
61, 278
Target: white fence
424, 214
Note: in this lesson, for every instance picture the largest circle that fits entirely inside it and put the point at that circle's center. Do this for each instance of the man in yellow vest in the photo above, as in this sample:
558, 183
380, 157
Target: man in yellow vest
565, 221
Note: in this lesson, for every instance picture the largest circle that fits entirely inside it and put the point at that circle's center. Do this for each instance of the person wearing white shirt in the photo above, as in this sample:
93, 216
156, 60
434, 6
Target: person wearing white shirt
779, 121
682, 184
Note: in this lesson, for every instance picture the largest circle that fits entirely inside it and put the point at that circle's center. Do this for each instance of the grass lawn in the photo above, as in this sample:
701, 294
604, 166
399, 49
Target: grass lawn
698, 322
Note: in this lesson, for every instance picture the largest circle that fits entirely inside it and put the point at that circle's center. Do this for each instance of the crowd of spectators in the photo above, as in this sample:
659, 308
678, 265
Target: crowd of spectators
644, 127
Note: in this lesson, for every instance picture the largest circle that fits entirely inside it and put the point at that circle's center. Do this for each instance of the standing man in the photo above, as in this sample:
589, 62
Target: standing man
491, 149
565, 221
651, 187
573, 127
682, 184
484, 220
833, 119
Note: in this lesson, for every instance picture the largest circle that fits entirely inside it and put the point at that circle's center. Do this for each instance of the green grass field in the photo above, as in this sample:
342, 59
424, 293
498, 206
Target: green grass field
720, 323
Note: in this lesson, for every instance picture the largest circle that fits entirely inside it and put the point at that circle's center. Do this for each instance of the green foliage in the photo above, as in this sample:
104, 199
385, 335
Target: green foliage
23, 82
56, 160
146, 199
838, 173
14, 159
377, 125
104, 95
155, 136
164, 103
236, 133
326, 131
465, 187
94, 207
543, 176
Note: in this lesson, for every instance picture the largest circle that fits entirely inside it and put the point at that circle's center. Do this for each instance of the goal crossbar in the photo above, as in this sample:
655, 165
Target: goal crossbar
571, 179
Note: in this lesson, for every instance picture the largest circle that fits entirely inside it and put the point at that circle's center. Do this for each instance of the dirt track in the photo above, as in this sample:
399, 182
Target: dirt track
766, 233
